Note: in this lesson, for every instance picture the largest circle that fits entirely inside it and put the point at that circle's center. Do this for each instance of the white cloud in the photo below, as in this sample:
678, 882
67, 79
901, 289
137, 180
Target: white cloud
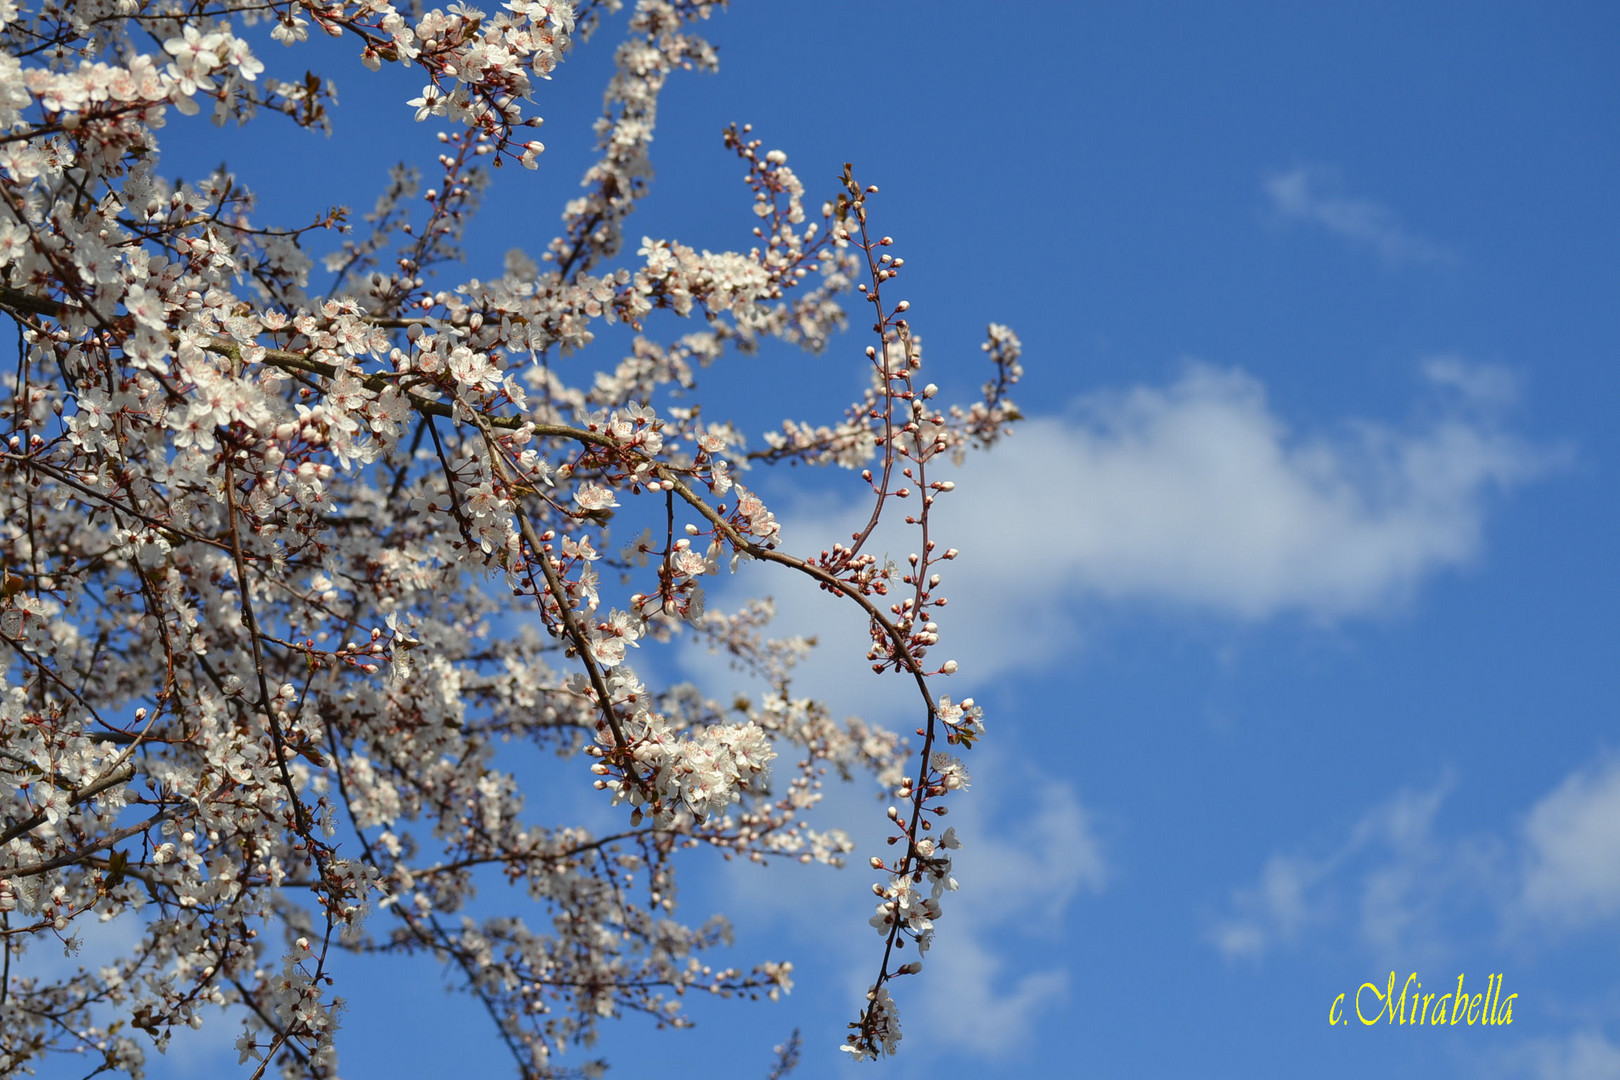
1406, 898
967, 1010
1391, 868
1414, 889
1198, 496
1582, 1055
1487, 386
1054, 849
1298, 195
1573, 848
1275, 909
1194, 497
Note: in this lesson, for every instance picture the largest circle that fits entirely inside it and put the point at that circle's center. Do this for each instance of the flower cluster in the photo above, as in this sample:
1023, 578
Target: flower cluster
704, 772
286, 560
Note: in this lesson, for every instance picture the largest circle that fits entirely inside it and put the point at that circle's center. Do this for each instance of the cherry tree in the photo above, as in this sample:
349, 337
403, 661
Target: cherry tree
291, 552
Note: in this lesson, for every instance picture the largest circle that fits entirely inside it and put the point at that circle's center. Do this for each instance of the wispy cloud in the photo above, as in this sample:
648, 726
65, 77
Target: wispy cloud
1309, 195
1391, 876
1483, 386
1276, 908
1582, 1055
1572, 840
1559, 871
969, 1006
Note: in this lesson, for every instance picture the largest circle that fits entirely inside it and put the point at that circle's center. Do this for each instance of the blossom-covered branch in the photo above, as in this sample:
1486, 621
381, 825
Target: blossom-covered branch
287, 559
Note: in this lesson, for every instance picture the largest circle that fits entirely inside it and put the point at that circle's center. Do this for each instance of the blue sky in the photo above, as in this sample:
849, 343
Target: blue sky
1290, 605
